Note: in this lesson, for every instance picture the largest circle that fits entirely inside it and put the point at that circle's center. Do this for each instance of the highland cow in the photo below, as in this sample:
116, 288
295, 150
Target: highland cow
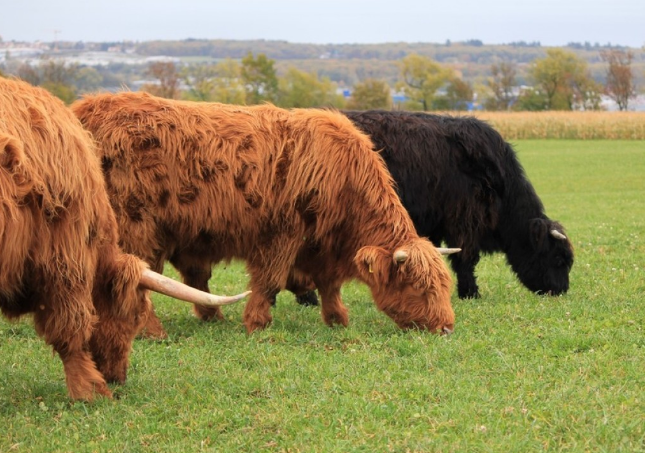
291, 193
58, 235
462, 184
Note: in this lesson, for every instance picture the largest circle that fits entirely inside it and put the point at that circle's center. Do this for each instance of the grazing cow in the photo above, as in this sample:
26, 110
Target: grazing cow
462, 183
290, 192
58, 235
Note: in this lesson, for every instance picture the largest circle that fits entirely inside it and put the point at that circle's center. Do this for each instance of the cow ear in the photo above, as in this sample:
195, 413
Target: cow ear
538, 231
124, 283
12, 157
373, 264
11, 153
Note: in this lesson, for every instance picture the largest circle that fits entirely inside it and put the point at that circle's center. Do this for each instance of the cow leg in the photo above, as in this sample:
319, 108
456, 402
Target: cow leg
198, 277
195, 271
153, 329
82, 378
67, 326
257, 312
264, 287
333, 310
110, 344
465, 270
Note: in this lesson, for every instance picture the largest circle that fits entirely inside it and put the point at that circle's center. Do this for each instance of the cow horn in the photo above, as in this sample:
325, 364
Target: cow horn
164, 285
447, 251
400, 256
556, 234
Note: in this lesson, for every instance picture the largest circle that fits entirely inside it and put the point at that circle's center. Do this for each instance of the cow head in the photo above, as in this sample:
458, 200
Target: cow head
544, 260
410, 284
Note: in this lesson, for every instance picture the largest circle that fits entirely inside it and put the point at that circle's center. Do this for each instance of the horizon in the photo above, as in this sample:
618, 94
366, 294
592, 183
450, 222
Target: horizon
452, 42
552, 23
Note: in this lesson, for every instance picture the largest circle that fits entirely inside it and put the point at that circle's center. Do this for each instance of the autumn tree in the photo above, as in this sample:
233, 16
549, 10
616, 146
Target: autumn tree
299, 89
531, 100
29, 74
199, 79
620, 79
501, 83
88, 79
422, 78
56, 77
458, 96
215, 83
167, 80
259, 78
370, 94
564, 81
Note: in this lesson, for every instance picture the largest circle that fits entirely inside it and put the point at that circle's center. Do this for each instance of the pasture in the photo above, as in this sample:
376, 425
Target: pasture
520, 373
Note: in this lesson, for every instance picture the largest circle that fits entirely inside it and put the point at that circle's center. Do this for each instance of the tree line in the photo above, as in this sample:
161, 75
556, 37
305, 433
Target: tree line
561, 80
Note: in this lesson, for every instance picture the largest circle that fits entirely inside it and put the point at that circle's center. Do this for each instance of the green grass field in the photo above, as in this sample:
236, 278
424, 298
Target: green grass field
521, 372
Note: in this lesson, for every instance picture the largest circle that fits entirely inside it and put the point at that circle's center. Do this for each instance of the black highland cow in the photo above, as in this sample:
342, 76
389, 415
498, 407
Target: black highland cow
463, 184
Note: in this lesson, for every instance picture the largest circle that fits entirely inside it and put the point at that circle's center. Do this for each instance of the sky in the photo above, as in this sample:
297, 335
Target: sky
551, 22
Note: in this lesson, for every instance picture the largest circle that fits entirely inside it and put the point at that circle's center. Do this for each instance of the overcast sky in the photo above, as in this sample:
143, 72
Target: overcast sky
551, 22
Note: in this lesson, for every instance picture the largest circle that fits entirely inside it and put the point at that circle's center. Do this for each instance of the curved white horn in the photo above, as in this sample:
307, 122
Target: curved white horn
400, 256
164, 285
556, 234
447, 251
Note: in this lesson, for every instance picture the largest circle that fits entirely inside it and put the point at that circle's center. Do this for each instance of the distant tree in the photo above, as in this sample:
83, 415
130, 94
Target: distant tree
370, 94
64, 92
56, 77
200, 80
168, 79
422, 77
531, 100
474, 42
458, 96
56, 72
298, 89
564, 81
501, 84
228, 85
88, 79
29, 74
620, 79
259, 78
215, 83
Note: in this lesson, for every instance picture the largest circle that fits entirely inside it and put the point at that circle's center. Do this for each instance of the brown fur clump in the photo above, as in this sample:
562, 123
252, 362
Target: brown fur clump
58, 235
290, 192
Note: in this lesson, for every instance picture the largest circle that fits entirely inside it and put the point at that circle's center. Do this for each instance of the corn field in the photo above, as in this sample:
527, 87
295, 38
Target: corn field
567, 125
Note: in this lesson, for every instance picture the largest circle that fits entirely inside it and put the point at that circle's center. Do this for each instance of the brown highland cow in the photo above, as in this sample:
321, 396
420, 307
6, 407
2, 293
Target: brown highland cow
60, 258
290, 192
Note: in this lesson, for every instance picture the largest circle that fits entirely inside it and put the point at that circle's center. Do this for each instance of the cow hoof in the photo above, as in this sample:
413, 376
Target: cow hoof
156, 334
253, 325
208, 313
250, 328
341, 319
87, 391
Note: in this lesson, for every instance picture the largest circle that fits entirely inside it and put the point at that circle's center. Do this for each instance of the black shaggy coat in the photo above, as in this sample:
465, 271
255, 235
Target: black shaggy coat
462, 184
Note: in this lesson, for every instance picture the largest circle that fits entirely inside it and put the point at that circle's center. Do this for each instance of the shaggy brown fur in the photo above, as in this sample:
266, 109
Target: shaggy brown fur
60, 259
289, 192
